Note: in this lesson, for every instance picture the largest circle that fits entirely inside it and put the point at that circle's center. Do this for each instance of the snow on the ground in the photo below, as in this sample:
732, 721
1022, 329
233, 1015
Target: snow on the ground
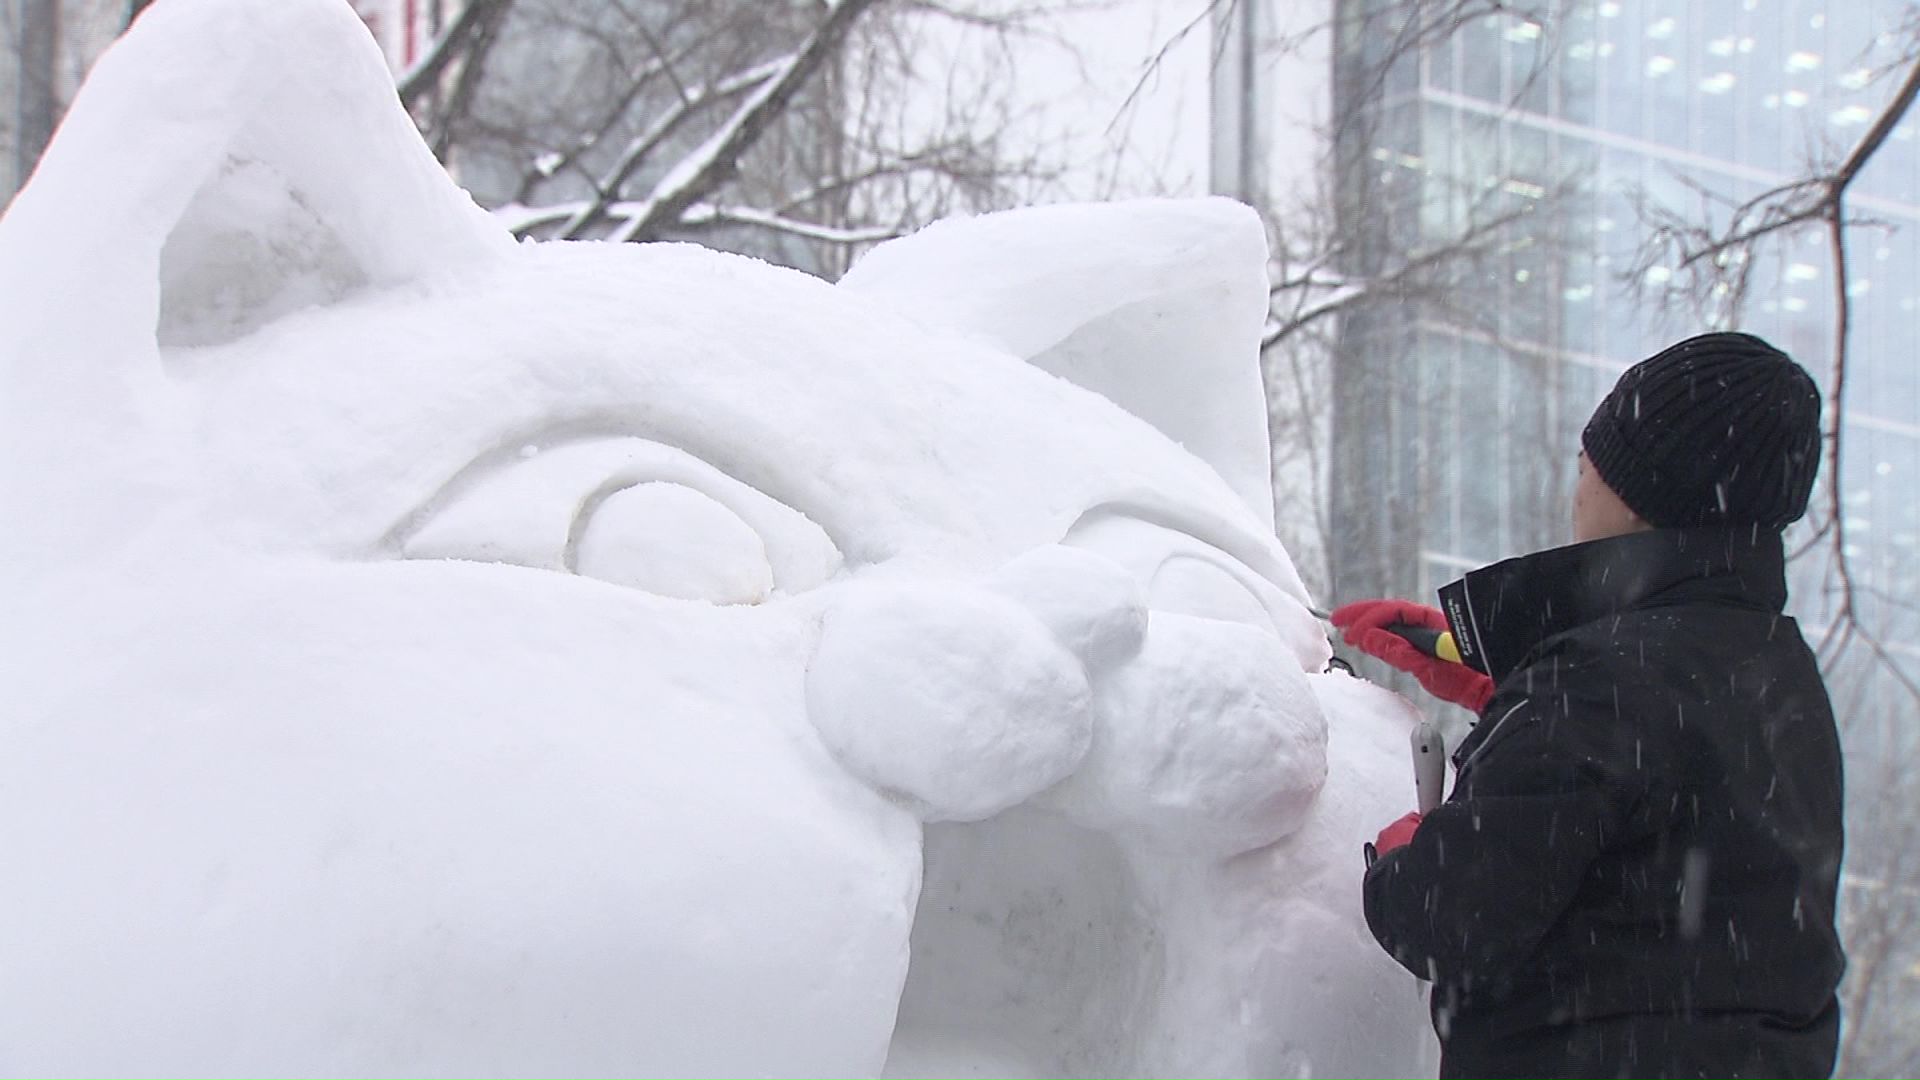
429, 654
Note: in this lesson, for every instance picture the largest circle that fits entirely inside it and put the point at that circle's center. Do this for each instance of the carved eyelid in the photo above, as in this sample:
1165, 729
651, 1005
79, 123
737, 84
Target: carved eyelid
525, 508
1151, 545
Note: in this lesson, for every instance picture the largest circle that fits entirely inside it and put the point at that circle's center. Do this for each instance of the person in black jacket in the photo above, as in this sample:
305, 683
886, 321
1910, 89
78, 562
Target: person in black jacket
1636, 871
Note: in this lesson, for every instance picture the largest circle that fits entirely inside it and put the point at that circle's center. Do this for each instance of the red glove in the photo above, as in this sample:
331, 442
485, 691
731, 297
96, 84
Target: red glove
1397, 834
1363, 624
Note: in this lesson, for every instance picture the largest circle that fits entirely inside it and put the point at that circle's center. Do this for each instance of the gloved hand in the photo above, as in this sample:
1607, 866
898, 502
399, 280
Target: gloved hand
1363, 622
1396, 835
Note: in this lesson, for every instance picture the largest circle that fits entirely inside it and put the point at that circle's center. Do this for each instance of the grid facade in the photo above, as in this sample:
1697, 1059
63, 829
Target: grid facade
1461, 412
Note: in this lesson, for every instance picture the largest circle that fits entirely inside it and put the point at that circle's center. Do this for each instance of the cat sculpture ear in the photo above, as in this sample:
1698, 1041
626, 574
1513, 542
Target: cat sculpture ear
1157, 305
227, 163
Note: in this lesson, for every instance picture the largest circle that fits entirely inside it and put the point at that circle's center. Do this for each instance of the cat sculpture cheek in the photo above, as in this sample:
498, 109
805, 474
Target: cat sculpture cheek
434, 654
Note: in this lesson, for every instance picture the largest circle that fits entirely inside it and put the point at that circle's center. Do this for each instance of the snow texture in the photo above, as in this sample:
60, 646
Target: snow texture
428, 654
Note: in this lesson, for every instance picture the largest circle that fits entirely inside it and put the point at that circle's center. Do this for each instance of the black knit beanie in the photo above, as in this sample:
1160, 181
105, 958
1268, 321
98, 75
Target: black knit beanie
1720, 429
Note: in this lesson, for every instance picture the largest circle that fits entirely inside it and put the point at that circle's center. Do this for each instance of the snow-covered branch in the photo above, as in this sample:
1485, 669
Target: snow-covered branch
641, 148
526, 221
697, 175
453, 43
551, 163
703, 215
810, 128
1316, 293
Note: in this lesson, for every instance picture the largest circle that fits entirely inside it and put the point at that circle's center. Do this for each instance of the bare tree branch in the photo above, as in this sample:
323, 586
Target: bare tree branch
529, 221
1321, 295
811, 129
1780, 209
639, 150
697, 176
1214, 9
453, 44
1836, 412
479, 42
702, 215
1720, 262
569, 158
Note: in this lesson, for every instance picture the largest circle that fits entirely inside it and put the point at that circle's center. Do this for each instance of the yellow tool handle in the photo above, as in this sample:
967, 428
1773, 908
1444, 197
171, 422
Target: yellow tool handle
1437, 643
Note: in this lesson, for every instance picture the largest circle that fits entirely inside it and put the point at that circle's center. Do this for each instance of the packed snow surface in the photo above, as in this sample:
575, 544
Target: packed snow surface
428, 654
1087, 301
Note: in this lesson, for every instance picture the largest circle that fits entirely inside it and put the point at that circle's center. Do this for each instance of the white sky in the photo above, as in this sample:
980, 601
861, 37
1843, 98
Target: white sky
1100, 87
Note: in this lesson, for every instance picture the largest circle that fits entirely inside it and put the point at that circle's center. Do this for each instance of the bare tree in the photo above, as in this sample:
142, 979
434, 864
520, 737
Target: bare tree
1385, 237
1715, 260
1310, 295
778, 128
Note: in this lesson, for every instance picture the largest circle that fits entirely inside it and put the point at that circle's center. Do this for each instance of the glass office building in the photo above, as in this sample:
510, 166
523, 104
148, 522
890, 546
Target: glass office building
1547, 144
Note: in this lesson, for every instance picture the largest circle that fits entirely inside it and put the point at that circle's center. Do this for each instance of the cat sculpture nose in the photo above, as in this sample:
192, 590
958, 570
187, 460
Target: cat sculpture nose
964, 698
1043, 681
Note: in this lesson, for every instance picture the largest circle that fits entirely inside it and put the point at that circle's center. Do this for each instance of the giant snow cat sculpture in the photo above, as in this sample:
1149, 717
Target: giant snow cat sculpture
427, 654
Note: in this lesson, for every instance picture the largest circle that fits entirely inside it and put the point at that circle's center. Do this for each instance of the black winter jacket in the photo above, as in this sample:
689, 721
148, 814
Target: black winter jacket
1635, 874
